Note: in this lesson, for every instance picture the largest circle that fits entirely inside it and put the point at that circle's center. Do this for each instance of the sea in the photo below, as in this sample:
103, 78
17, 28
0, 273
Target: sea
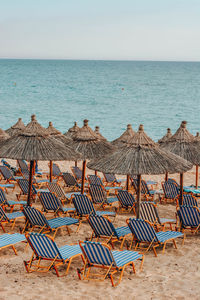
110, 94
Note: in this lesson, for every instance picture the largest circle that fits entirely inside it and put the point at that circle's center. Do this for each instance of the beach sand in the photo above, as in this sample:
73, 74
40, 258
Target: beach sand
173, 275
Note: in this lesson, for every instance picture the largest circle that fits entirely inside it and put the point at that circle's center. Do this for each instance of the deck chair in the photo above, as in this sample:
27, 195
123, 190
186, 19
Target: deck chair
45, 250
84, 207
171, 191
111, 179
98, 255
104, 229
51, 203
6, 164
77, 173
37, 182
145, 192
8, 175
9, 203
188, 200
56, 172
70, 180
144, 233
96, 180
24, 184
126, 201
189, 218
9, 240
148, 212
56, 188
22, 165
99, 196
9, 218
37, 220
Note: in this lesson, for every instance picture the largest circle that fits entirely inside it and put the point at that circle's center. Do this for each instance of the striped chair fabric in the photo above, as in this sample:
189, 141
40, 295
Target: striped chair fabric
110, 178
24, 184
6, 164
8, 239
99, 195
189, 200
56, 170
93, 179
144, 187
23, 165
57, 189
7, 174
126, 199
4, 201
51, 202
103, 227
70, 180
148, 211
171, 180
85, 207
189, 216
171, 191
77, 172
9, 216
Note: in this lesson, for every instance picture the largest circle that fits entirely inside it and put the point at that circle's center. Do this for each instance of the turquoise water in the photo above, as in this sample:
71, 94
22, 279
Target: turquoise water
110, 94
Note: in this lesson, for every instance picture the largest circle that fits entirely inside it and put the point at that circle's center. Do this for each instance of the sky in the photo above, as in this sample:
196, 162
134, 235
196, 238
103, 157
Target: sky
100, 29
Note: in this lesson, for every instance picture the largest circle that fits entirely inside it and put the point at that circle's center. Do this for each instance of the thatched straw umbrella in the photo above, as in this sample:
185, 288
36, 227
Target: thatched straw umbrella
197, 137
99, 135
164, 139
35, 143
3, 135
86, 142
182, 143
141, 156
16, 128
72, 130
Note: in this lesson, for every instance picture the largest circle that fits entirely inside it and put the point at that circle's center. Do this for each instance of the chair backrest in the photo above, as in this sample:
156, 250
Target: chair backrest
34, 216
6, 164
56, 170
142, 230
171, 180
96, 253
3, 199
69, 179
170, 189
97, 193
24, 184
144, 187
23, 165
7, 174
110, 178
77, 172
125, 198
3, 216
189, 216
102, 226
93, 179
83, 205
189, 200
149, 212
50, 201
43, 246
54, 187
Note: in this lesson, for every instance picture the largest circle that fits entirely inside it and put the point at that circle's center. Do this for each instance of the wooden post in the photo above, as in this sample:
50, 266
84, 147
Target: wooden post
51, 171
127, 182
166, 176
30, 182
197, 177
34, 163
95, 172
83, 177
75, 163
181, 189
138, 196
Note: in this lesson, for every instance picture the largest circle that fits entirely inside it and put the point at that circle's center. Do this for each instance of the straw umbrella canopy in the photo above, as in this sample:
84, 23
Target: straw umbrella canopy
166, 136
3, 135
141, 156
99, 135
86, 142
128, 133
16, 128
35, 143
182, 143
197, 137
72, 130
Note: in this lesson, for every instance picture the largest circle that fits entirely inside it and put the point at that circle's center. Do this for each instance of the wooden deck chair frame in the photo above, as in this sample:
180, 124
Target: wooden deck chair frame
193, 230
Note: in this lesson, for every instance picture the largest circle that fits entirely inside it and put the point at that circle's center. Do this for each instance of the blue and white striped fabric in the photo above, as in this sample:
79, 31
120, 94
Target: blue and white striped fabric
8, 239
56, 170
149, 212
77, 172
24, 184
70, 180
164, 236
34, 216
170, 189
123, 257
7, 185
4, 201
125, 198
189, 200
110, 178
93, 179
7, 174
98, 254
51, 202
99, 195
189, 216
103, 227
9, 216
69, 251
59, 222
56, 189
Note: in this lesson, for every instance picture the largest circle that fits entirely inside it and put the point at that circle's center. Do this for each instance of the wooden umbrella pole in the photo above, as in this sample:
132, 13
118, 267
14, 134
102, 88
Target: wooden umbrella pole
138, 196
30, 182
166, 176
181, 189
51, 171
127, 182
75, 163
197, 177
34, 164
95, 172
83, 177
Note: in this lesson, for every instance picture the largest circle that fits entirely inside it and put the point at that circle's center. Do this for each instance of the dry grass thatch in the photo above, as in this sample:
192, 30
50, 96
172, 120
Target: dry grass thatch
35, 143
72, 130
3, 135
99, 135
140, 156
89, 145
166, 136
52, 130
182, 143
16, 128
125, 137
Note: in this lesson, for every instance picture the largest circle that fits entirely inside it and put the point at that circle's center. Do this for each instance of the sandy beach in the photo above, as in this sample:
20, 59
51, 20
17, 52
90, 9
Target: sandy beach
173, 275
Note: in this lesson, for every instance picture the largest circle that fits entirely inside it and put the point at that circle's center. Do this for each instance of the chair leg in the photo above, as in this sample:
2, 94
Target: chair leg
163, 251
14, 250
174, 242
